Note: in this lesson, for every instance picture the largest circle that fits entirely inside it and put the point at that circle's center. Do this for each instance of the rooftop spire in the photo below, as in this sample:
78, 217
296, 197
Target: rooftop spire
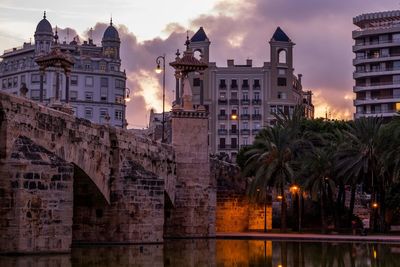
111, 20
56, 36
187, 43
44, 14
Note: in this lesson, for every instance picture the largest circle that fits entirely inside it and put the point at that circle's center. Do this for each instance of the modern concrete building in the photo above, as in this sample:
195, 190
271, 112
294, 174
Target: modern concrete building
96, 84
241, 99
377, 64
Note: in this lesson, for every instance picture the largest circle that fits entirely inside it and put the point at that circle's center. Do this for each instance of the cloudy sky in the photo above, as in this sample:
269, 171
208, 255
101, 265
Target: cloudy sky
237, 29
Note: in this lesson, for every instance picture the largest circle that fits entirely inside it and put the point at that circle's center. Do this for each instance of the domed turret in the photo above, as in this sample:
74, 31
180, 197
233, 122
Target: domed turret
43, 36
44, 27
111, 33
111, 42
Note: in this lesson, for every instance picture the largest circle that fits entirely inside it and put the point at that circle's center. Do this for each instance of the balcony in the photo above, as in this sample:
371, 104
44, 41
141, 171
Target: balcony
256, 87
376, 113
227, 147
256, 116
376, 100
244, 146
222, 131
255, 131
245, 116
245, 131
375, 58
373, 86
234, 101
245, 87
222, 86
375, 72
245, 101
234, 86
256, 101
375, 44
222, 101
222, 116
233, 131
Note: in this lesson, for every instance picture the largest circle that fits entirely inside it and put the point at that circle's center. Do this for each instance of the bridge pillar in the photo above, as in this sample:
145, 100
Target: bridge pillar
193, 212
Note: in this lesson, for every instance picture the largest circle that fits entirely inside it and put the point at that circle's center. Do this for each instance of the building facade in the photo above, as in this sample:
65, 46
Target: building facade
377, 64
97, 87
242, 99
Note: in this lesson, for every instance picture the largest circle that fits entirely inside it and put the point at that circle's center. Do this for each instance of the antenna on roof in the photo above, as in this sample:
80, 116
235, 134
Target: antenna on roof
44, 14
67, 39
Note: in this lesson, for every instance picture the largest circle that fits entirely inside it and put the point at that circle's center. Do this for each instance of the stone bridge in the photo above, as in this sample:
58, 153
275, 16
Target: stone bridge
64, 180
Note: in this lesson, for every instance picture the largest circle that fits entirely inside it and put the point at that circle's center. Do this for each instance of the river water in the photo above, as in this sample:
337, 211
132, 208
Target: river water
220, 253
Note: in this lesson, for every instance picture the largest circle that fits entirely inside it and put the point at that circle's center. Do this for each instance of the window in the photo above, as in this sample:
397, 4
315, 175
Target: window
118, 115
256, 95
103, 113
23, 79
222, 83
35, 78
89, 81
245, 83
222, 95
245, 141
222, 142
257, 83
234, 83
119, 99
119, 84
88, 113
73, 95
87, 66
257, 125
15, 81
281, 81
257, 111
102, 67
222, 112
9, 82
88, 96
281, 71
196, 82
245, 125
35, 94
103, 93
233, 142
234, 95
74, 80
245, 96
104, 82
282, 95
245, 110
282, 56
4, 83
272, 109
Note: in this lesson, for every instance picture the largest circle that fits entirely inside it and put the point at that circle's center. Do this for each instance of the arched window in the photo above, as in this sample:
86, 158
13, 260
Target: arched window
282, 55
198, 54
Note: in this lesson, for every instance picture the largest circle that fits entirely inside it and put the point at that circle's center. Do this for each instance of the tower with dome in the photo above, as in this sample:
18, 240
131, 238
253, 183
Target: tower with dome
97, 85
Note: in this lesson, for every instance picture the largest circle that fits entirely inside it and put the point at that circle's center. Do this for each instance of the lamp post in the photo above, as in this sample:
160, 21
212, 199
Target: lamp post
296, 190
235, 117
159, 70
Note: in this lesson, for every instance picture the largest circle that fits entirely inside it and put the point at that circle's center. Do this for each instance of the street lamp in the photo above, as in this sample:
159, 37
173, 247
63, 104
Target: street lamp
296, 191
159, 70
128, 92
235, 117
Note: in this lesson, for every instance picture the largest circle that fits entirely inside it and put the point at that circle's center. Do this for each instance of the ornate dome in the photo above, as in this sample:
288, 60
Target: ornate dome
44, 26
111, 33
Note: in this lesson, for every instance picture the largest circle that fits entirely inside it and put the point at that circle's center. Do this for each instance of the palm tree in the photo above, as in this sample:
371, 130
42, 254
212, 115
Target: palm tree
271, 158
360, 155
317, 170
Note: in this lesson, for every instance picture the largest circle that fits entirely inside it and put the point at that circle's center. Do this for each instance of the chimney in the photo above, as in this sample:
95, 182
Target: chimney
230, 62
249, 62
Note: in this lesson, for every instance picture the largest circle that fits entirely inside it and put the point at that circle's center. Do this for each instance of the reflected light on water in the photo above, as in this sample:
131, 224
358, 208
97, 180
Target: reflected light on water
219, 253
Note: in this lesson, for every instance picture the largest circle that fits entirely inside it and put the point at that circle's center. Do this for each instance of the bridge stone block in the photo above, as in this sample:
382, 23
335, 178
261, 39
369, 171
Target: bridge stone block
193, 213
36, 200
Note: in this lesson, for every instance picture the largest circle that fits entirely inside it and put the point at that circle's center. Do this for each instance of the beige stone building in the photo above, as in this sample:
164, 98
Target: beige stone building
241, 99
377, 64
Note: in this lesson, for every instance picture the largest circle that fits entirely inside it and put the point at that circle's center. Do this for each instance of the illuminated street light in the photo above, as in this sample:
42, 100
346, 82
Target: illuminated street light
375, 205
159, 70
127, 97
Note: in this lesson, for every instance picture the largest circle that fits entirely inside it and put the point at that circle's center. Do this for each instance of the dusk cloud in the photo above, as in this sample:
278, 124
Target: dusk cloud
240, 30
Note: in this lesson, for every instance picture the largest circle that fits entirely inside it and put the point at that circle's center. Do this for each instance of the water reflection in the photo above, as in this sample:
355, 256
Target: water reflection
220, 253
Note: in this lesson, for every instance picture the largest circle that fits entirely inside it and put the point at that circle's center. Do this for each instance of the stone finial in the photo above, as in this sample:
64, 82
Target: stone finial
23, 90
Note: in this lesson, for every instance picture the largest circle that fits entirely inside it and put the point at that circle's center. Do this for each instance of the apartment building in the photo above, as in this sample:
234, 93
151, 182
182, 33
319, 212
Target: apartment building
377, 64
97, 88
242, 98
